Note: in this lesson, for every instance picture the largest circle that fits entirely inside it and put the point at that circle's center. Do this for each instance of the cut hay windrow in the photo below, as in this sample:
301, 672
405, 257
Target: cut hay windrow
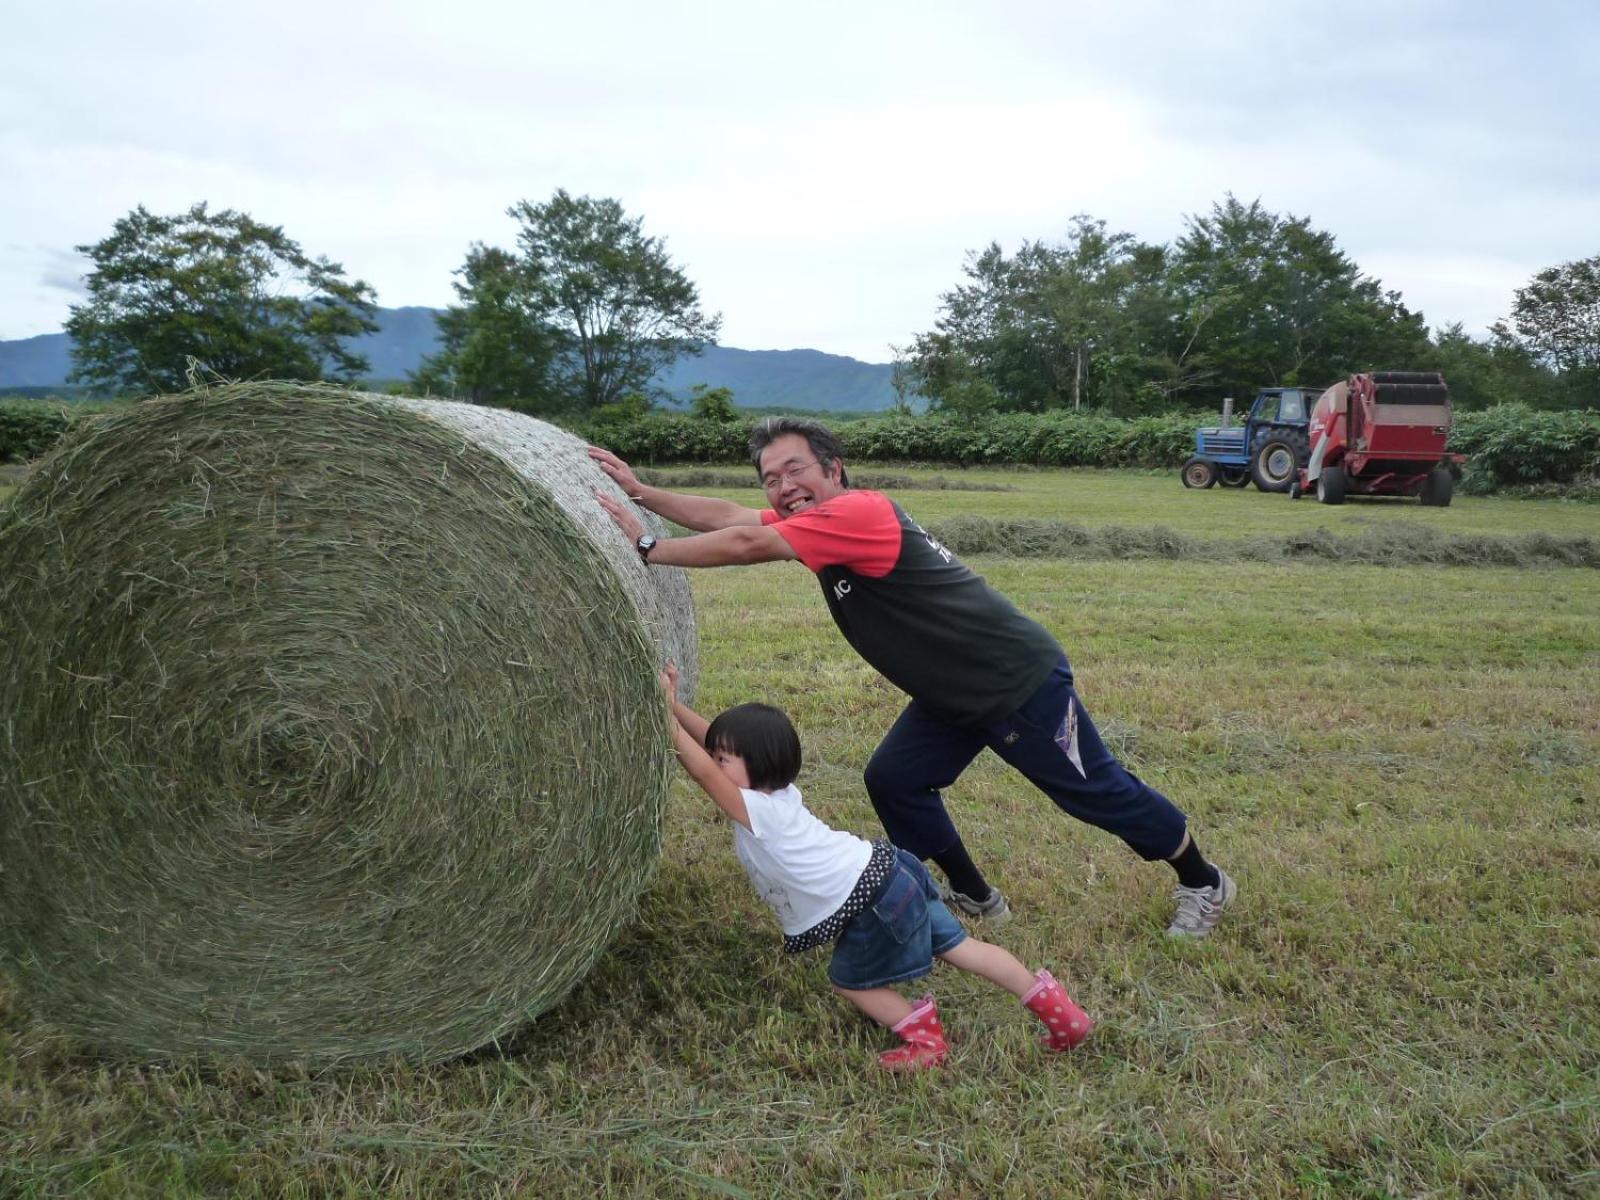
1395, 544
329, 726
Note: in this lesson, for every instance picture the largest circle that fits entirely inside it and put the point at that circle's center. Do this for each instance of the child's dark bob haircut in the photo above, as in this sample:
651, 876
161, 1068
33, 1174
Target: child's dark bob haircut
764, 738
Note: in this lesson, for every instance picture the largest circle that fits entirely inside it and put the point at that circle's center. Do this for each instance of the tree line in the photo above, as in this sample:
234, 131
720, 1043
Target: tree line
1245, 298
580, 316
584, 311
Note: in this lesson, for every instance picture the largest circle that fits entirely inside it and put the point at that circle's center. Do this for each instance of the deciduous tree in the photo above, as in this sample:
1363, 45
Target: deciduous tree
1286, 305
238, 295
496, 345
709, 403
1497, 369
1557, 317
586, 311
1081, 322
624, 308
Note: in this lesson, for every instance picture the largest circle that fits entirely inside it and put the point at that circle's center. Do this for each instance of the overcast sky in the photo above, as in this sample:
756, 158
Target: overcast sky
818, 170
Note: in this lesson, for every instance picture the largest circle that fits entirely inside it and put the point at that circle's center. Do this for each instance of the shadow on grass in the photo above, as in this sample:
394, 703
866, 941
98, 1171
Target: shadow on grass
688, 966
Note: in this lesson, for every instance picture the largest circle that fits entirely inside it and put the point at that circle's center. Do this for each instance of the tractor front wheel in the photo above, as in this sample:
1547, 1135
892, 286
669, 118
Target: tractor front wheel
1273, 465
1234, 477
1438, 487
1198, 473
1331, 485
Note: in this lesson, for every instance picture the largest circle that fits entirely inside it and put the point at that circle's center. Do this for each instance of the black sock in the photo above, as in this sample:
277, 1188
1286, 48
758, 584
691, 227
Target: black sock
1192, 868
963, 876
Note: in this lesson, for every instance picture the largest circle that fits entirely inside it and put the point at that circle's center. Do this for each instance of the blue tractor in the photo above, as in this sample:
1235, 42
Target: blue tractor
1270, 447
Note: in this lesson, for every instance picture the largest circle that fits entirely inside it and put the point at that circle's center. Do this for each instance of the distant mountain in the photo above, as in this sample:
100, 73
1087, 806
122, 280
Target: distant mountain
36, 362
806, 379
405, 337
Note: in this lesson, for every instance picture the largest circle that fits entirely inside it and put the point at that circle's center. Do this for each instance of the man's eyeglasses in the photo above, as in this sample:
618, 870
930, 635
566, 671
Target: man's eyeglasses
788, 475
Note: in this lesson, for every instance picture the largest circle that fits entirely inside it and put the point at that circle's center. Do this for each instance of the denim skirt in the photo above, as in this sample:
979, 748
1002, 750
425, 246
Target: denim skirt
897, 936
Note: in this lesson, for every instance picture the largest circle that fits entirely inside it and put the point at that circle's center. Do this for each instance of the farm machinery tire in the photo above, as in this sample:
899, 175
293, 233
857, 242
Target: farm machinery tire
1234, 477
1199, 473
1332, 484
1274, 463
1438, 488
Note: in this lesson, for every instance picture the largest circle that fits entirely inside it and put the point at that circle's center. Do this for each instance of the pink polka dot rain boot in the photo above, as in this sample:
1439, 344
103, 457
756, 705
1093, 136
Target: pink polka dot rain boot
1065, 1023
922, 1038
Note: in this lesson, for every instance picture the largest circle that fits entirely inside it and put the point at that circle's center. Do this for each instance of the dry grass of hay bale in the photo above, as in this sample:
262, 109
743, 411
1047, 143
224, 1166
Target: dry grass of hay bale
329, 731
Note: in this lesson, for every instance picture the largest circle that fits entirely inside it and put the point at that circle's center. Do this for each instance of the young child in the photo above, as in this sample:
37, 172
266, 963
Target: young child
876, 903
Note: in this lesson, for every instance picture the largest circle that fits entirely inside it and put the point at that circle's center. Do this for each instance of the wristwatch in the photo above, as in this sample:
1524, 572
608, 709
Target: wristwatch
645, 544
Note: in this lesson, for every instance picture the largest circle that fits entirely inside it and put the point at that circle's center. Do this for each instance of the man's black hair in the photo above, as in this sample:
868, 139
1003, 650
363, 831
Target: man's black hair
764, 738
824, 443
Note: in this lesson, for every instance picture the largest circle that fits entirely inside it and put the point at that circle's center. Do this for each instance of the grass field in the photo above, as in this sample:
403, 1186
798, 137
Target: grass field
11, 476
1398, 764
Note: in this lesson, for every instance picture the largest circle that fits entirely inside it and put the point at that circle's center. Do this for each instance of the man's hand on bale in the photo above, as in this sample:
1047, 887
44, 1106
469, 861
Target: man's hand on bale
619, 471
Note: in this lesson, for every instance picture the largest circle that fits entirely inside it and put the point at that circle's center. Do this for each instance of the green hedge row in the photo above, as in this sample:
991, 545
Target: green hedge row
1045, 440
1513, 444
30, 427
1509, 445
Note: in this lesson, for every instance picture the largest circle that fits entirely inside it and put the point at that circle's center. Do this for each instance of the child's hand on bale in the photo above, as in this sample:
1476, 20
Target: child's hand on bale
626, 519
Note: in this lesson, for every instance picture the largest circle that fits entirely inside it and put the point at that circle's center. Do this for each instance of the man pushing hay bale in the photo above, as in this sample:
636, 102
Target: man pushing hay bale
329, 726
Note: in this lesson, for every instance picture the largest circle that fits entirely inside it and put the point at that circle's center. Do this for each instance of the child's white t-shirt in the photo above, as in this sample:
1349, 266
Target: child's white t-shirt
798, 865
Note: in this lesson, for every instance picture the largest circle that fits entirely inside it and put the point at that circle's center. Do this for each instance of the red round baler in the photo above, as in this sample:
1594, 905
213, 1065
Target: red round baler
1382, 434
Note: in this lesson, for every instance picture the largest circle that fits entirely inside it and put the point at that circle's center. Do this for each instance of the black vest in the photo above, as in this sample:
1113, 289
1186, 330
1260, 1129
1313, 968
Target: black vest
938, 632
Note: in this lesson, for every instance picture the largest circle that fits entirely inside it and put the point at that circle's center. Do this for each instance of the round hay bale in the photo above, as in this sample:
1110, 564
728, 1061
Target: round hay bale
329, 725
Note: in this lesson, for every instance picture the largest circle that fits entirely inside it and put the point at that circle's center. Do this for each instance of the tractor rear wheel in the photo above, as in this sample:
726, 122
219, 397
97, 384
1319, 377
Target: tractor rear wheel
1438, 487
1331, 485
1198, 473
1234, 477
1274, 464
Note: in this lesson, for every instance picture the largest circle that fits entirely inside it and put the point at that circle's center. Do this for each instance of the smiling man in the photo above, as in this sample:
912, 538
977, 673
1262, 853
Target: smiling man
979, 673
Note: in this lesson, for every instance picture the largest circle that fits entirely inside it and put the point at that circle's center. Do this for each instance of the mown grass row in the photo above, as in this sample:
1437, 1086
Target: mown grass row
1399, 544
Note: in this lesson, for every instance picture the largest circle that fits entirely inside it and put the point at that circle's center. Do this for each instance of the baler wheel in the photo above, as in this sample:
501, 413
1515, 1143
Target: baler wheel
1331, 485
1438, 487
1199, 473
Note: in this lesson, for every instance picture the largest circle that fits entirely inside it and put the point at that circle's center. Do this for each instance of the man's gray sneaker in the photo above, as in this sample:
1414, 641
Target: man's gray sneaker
993, 911
1199, 909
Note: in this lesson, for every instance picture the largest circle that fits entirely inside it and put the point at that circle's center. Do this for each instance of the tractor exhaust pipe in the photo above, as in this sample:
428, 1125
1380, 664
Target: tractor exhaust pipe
1227, 412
